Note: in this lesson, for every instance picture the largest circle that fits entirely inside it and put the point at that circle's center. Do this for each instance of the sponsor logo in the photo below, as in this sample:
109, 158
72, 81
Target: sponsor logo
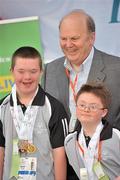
6, 83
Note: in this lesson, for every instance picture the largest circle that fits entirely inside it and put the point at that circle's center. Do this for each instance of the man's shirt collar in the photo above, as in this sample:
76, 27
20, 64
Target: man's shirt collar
87, 62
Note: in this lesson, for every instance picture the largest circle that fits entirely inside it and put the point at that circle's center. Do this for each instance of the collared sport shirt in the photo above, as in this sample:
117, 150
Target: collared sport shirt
110, 150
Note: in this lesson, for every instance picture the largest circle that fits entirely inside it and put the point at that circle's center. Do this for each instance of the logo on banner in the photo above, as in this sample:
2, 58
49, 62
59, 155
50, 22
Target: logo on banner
115, 12
6, 83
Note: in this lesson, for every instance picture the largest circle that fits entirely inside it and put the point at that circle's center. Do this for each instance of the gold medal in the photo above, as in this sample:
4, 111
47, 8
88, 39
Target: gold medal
25, 147
31, 148
22, 146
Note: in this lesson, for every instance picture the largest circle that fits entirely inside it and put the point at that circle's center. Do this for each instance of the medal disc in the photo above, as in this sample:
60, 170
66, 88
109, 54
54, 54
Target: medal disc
22, 146
31, 148
25, 147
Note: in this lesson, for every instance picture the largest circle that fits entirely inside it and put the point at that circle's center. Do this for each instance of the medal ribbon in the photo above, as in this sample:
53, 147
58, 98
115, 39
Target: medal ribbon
23, 127
99, 149
72, 84
24, 124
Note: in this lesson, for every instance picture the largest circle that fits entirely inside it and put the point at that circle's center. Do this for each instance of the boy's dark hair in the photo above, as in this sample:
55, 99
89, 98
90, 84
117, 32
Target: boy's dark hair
26, 52
99, 90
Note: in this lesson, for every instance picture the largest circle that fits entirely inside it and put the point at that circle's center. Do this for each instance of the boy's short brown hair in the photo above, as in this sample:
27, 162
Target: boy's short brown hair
26, 52
99, 90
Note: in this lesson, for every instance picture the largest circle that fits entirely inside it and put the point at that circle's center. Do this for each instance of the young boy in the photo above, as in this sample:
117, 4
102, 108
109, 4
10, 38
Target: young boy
33, 124
94, 148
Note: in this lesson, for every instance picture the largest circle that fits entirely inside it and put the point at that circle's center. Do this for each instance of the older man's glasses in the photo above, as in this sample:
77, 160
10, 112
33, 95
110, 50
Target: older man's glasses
90, 107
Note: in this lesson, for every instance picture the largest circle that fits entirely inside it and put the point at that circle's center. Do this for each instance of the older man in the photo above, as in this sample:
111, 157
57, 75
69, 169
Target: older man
82, 63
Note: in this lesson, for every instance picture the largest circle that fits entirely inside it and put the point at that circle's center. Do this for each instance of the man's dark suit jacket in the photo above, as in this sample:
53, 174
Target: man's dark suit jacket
105, 68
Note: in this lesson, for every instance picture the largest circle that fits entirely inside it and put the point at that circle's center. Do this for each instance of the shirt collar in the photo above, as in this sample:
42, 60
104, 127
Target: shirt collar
106, 132
87, 62
39, 99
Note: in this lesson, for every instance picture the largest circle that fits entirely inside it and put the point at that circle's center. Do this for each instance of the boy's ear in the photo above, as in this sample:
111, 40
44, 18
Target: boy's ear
105, 111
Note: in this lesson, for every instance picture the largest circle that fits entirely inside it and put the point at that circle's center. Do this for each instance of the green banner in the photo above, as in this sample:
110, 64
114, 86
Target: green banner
15, 33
